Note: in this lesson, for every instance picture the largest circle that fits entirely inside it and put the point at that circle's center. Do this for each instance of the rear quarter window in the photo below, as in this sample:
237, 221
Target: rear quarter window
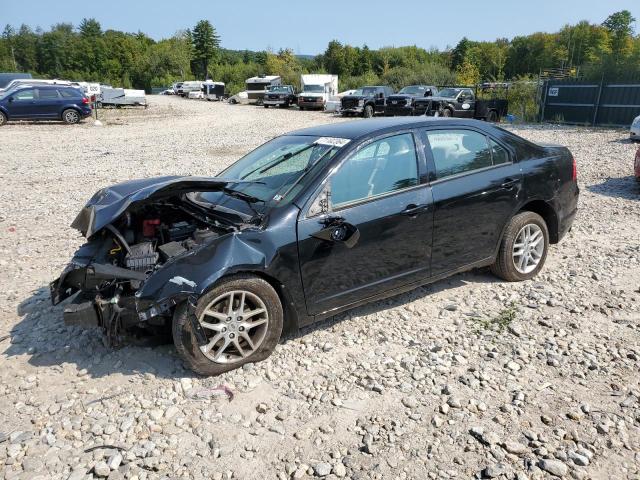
69, 93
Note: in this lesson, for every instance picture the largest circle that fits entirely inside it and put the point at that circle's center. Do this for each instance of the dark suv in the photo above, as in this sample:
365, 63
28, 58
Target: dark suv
44, 102
365, 101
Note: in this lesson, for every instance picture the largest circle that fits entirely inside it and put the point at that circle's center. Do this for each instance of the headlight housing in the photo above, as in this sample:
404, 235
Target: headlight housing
636, 121
361, 102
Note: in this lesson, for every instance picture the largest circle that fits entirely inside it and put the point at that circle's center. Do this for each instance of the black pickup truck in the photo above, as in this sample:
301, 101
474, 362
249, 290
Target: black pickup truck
461, 102
403, 102
280, 96
365, 101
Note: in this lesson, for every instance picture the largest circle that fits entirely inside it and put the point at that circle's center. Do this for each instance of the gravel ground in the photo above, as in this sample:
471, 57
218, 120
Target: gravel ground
466, 378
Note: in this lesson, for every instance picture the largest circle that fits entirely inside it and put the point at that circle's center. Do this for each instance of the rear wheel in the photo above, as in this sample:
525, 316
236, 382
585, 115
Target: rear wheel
447, 113
266, 106
368, 111
523, 250
3, 119
242, 319
70, 116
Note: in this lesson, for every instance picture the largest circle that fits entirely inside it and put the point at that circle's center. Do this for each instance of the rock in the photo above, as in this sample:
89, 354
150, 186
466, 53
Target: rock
514, 447
79, 473
101, 469
262, 408
554, 467
339, 470
114, 461
322, 469
410, 402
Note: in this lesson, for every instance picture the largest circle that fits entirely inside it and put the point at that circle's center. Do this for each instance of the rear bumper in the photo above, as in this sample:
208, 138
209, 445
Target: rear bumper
566, 221
315, 104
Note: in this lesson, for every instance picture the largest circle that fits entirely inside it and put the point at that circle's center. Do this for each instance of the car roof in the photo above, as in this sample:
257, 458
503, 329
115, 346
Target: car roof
376, 126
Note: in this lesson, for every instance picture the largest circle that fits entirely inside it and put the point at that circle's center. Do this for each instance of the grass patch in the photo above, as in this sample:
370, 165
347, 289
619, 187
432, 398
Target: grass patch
499, 322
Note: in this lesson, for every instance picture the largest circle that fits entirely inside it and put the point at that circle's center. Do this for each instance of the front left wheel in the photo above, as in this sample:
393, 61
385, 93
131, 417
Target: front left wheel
242, 319
3, 119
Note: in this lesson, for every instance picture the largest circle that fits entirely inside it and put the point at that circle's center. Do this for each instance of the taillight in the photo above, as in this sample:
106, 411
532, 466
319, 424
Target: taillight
574, 174
85, 100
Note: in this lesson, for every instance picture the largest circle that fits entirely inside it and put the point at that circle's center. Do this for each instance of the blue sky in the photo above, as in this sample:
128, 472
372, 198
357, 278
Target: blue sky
253, 25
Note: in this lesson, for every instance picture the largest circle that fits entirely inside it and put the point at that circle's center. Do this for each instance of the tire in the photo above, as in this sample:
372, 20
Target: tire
505, 265
301, 108
266, 106
447, 113
3, 119
368, 111
265, 335
492, 116
70, 116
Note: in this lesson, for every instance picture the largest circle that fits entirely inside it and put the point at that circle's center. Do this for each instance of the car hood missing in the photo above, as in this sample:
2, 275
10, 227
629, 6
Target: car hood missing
109, 203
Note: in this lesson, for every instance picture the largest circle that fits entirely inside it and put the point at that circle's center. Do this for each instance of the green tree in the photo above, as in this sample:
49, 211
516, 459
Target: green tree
206, 45
620, 27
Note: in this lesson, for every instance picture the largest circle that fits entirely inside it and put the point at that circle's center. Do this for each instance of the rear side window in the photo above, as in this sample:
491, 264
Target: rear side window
458, 151
498, 153
47, 93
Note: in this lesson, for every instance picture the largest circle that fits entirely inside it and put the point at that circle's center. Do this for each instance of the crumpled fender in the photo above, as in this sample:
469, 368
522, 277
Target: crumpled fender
193, 274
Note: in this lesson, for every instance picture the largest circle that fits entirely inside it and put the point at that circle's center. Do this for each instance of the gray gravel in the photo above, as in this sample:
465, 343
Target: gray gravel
429, 384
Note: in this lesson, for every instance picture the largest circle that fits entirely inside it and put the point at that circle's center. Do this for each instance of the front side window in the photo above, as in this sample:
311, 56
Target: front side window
458, 151
25, 95
381, 167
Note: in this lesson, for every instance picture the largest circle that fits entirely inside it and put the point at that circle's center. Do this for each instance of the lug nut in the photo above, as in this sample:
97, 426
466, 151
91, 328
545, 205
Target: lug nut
224, 329
239, 319
228, 319
231, 335
241, 329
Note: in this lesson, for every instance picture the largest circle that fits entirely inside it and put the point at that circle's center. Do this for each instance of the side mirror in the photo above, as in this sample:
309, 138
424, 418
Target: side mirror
381, 95
10, 99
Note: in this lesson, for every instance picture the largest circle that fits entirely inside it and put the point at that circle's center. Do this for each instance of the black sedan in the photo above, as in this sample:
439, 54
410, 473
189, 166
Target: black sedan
310, 224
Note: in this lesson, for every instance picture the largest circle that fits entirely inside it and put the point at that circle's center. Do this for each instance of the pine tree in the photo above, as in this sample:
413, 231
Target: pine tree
206, 45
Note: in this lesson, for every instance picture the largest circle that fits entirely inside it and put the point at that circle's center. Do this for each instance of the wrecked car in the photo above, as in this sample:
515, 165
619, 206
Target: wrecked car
310, 224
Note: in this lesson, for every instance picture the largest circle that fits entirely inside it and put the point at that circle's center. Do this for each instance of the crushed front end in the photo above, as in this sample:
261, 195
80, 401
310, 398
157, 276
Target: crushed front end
136, 239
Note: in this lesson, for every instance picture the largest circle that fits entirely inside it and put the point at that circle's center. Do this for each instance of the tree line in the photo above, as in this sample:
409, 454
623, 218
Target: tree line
87, 52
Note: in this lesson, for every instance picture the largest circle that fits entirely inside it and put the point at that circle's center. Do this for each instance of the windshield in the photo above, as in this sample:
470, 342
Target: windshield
278, 89
414, 90
276, 168
369, 91
449, 92
313, 88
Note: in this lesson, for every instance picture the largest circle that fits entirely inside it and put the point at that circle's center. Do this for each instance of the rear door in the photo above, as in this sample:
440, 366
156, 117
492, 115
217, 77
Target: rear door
22, 104
475, 192
380, 100
465, 104
376, 235
49, 103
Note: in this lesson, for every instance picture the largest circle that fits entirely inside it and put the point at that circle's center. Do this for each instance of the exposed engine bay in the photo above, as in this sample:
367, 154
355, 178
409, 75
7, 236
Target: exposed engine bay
112, 266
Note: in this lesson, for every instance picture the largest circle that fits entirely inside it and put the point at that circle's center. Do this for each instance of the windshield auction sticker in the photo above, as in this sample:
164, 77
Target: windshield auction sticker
335, 142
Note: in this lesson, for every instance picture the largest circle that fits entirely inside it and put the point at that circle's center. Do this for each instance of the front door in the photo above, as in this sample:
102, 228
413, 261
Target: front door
22, 104
475, 194
465, 104
377, 233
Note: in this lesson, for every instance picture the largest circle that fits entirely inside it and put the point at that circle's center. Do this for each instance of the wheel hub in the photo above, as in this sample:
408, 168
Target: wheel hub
528, 248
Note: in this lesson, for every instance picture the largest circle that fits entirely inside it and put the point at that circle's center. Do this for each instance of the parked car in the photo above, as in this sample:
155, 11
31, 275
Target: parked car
461, 102
637, 165
7, 77
310, 224
120, 97
32, 81
365, 101
634, 131
280, 96
402, 103
44, 102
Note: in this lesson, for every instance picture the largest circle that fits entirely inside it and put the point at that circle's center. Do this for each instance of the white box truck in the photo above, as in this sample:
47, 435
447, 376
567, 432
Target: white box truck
317, 90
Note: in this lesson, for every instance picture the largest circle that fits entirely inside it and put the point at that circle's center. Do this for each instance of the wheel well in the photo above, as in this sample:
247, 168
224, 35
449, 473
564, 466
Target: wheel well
549, 215
291, 319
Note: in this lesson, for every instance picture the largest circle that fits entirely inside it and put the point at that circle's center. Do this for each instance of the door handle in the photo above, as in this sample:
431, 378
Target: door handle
509, 183
412, 209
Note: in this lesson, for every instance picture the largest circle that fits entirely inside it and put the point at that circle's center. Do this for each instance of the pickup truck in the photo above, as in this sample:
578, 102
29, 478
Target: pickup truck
365, 101
403, 102
461, 102
280, 96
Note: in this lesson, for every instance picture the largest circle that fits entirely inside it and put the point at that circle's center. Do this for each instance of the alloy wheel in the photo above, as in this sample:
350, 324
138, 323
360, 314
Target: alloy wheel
71, 116
528, 248
236, 324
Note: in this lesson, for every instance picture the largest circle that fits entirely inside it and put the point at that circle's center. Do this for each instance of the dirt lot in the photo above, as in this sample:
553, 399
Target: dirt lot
447, 381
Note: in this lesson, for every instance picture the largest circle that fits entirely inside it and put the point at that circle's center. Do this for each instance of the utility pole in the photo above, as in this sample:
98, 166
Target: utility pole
13, 57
